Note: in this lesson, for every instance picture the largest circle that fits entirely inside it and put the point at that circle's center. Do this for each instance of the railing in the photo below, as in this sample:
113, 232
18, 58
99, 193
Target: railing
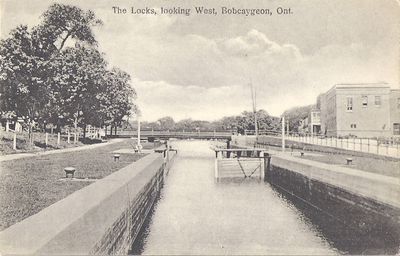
146, 133
388, 147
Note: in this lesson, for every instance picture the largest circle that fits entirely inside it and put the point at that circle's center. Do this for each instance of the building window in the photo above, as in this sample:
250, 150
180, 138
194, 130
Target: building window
353, 126
377, 100
349, 104
396, 128
364, 101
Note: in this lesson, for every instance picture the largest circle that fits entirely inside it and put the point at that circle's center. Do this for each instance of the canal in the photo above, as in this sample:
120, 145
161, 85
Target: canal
196, 215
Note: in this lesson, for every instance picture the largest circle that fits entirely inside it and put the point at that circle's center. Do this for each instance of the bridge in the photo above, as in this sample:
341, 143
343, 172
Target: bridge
145, 134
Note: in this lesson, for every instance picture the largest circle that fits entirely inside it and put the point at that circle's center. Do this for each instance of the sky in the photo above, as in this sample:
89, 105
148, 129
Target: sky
201, 66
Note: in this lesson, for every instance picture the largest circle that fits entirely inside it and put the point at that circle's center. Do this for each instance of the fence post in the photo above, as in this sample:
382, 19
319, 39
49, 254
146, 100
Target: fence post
15, 141
46, 139
68, 140
58, 138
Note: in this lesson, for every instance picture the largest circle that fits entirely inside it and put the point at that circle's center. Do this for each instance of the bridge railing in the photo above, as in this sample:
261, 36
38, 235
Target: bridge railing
146, 133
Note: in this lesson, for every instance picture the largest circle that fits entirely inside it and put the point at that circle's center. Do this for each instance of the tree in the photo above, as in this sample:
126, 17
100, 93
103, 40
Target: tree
78, 85
116, 99
62, 22
23, 84
27, 59
166, 123
296, 115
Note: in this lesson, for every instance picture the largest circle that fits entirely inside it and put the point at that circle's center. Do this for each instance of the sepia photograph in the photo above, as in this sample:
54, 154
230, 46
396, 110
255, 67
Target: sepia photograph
200, 127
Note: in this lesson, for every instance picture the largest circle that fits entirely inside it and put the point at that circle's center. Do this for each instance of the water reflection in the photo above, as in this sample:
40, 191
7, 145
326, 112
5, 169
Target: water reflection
341, 229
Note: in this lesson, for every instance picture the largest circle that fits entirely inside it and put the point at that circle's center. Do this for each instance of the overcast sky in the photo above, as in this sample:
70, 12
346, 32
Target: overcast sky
200, 67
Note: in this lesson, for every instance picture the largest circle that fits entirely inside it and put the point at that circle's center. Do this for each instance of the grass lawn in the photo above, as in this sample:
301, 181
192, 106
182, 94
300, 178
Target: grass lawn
28, 185
379, 166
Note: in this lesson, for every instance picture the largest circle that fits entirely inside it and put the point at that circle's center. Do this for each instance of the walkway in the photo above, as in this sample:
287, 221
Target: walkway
376, 186
56, 151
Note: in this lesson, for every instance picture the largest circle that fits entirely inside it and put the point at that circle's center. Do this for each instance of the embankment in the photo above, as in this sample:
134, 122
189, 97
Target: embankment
102, 218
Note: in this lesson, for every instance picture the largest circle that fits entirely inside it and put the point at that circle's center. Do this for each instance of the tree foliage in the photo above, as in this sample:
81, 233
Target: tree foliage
45, 78
296, 115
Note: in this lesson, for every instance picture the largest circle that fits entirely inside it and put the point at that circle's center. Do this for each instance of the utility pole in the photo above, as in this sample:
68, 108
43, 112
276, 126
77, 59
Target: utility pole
283, 134
138, 132
287, 127
254, 101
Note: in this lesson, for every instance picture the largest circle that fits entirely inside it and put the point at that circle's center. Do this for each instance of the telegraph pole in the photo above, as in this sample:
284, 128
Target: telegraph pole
283, 134
138, 131
254, 101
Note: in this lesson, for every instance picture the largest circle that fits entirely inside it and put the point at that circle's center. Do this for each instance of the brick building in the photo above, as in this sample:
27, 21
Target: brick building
362, 110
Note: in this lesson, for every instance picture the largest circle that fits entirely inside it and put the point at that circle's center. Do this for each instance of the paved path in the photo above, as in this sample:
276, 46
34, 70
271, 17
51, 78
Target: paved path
382, 188
56, 151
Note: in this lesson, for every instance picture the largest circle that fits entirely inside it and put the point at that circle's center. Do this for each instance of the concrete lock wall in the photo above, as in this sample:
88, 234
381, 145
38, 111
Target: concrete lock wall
102, 218
367, 207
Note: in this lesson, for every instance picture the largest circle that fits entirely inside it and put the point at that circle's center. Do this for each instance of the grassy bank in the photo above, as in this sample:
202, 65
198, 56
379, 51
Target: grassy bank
39, 142
30, 184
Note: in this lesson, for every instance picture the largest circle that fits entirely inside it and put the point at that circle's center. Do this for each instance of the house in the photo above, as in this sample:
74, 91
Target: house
312, 123
362, 110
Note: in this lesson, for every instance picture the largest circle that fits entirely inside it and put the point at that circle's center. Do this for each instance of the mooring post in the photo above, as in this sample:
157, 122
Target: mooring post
217, 156
58, 138
267, 162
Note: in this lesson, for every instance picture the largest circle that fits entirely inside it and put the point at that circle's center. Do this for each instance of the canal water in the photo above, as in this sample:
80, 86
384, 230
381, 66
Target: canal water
196, 215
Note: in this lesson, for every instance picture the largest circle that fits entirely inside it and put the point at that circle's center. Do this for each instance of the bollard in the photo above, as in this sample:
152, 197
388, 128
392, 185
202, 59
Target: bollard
69, 170
15, 141
116, 157
58, 138
349, 161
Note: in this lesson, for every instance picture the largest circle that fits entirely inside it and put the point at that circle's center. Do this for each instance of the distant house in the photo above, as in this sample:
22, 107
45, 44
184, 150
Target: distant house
362, 110
312, 123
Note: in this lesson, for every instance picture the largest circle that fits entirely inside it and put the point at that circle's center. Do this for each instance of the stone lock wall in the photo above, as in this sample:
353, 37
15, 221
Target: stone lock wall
120, 236
102, 218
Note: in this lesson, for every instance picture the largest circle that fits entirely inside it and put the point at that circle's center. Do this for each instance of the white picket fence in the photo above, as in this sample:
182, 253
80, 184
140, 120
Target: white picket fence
355, 144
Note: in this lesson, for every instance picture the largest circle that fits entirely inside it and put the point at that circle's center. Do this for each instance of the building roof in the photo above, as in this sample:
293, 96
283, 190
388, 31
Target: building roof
362, 85
359, 85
